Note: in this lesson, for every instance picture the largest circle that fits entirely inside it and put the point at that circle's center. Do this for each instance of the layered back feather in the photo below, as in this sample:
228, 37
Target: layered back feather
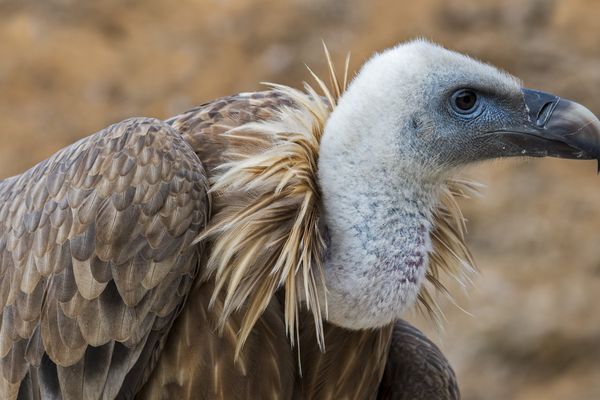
266, 231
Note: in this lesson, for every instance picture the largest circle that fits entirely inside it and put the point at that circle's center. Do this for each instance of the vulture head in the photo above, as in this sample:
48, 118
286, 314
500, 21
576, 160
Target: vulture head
411, 118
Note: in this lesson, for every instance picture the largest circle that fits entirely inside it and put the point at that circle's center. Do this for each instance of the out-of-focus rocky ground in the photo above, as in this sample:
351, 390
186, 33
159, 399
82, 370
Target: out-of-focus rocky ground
68, 69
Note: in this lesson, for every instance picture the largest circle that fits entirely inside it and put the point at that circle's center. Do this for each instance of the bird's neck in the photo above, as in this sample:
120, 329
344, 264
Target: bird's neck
378, 225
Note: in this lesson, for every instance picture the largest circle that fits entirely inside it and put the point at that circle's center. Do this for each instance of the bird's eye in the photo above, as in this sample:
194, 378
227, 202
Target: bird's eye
465, 101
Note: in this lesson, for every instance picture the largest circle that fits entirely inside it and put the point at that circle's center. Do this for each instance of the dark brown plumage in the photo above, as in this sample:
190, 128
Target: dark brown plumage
97, 261
415, 362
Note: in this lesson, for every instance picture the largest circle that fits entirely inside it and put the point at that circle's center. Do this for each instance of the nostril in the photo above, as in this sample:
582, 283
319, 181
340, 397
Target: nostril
545, 113
540, 106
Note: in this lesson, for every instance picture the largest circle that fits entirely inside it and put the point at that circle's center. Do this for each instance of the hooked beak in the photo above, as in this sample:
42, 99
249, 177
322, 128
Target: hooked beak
556, 127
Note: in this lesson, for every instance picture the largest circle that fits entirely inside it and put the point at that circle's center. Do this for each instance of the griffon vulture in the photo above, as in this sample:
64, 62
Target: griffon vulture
263, 245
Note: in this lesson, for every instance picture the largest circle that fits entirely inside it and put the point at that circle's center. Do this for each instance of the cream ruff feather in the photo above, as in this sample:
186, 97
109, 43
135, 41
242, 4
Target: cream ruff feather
266, 232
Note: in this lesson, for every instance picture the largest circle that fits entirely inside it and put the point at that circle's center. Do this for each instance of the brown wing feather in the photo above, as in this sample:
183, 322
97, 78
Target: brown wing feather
416, 369
95, 259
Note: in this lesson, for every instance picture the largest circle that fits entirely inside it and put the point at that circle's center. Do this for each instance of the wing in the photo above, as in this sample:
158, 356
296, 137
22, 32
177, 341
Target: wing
96, 262
416, 369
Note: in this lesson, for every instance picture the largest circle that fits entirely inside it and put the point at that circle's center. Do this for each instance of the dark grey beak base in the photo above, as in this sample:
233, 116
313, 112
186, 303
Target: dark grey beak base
558, 128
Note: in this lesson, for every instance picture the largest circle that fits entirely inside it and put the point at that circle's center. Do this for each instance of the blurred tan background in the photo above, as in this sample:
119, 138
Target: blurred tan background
68, 69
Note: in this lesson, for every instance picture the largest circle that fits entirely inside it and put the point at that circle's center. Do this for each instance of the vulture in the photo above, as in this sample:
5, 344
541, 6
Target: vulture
264, 245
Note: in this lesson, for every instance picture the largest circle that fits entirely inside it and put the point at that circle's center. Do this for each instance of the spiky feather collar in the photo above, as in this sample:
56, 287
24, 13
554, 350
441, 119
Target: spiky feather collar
266, 231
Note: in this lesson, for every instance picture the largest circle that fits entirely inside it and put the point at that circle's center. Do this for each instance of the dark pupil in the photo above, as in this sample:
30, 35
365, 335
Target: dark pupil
465, 100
